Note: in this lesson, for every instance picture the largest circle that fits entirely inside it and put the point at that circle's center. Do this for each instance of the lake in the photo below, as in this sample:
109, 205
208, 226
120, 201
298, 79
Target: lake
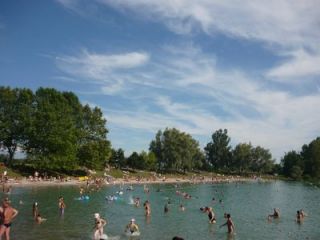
248, 203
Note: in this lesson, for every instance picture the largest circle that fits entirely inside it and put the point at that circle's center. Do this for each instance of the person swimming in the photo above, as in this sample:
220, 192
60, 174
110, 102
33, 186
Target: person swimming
276, 214
166, 208
132, 227
39, 219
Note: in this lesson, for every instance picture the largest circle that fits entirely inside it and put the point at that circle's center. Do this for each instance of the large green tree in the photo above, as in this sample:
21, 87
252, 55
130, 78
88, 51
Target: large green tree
175, 150
15, 119
311, 156
218, 151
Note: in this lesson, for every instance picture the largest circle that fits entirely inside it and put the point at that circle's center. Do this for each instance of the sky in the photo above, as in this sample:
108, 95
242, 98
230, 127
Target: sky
251, 67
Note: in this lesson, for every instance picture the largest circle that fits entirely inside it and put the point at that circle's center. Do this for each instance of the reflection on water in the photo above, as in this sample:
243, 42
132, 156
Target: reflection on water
248, 203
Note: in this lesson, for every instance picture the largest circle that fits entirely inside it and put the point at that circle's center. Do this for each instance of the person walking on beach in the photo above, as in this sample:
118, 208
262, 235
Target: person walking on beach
7, 214
98, 228
62, 205
229, 224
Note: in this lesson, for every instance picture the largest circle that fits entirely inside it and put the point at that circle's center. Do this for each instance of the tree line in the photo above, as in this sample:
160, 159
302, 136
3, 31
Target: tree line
56, 132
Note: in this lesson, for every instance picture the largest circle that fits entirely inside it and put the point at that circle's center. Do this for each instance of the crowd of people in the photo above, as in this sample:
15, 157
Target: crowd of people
8, 213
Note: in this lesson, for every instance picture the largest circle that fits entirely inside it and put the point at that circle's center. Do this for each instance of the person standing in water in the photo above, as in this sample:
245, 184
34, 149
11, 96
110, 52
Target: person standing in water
147, 208
229, 224
62, 205
7, 214
35, 210
132, 227
98, 228
211, 215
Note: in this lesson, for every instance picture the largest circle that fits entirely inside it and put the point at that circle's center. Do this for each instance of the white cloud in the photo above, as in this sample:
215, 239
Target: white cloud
271, 118
300, 64
282, 25
102, 68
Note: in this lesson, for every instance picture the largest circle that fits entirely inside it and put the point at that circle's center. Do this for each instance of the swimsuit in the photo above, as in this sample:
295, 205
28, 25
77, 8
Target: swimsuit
7, 225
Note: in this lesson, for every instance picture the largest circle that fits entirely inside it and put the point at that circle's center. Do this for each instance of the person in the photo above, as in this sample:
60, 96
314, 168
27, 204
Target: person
182, 208
211, 215
299, 216
132, 227
137, 202
276, 214
229, 224
166, 208
35, 210
62, 205
98, 228
177, 238
39, 219
147, 208
81, 192
7, 214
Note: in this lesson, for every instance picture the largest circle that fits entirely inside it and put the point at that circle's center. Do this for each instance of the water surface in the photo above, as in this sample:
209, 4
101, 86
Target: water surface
248, 203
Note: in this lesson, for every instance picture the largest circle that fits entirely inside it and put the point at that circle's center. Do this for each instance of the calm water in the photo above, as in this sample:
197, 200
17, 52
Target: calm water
248, 203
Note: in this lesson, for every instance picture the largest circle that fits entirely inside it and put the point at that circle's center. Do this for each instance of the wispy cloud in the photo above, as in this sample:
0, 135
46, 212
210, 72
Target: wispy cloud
300, 64
101, 68
282, 25
211, 99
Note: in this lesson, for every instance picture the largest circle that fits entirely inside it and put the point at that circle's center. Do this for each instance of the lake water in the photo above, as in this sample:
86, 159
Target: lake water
248, 203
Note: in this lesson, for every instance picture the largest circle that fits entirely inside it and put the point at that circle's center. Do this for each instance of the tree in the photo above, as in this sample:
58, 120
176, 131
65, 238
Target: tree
311, 156
15, 116
218, 151
242, 156
117, 158
261, 160
52, 141
175, 150
290, 160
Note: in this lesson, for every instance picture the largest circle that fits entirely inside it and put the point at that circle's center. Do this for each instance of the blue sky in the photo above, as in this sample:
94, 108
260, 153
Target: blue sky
249, 66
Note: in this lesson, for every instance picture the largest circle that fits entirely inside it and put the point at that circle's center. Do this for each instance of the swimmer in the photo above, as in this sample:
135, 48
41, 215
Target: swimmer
276, 214
35, 210
229, 224
132, 227
62, 205
299, 216
166, 208
137, 202
39, 219
177, 238
81, 191
211, 215
7, 214
98, 227
147, 208
182, 208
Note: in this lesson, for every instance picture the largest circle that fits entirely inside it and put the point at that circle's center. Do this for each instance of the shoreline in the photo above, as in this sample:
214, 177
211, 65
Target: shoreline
122, 181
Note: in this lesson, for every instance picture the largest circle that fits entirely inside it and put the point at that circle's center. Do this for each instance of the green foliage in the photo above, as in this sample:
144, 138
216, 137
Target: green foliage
175, 150
117, 158
15, 119
218, 151
305, 164
53, 128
